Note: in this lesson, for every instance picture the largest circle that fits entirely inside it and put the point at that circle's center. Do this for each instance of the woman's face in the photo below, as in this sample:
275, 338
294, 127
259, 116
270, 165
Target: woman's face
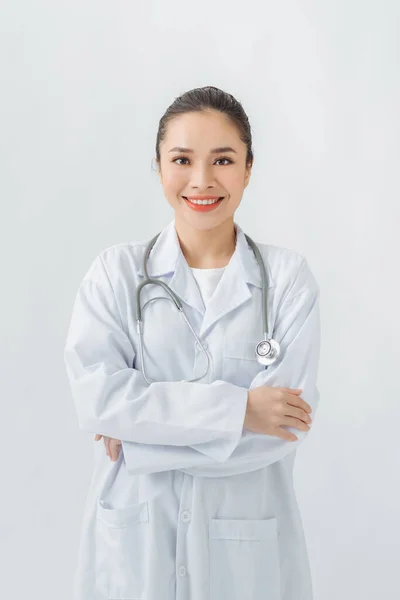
199, 171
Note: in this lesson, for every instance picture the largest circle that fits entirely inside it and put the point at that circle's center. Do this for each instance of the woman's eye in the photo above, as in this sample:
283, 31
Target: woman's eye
228, 159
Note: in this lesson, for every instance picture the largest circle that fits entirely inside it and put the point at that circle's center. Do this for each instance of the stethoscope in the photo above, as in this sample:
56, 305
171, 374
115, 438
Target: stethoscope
267, 350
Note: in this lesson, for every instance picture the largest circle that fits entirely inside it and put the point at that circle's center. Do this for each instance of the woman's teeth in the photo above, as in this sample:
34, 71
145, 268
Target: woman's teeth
203, 201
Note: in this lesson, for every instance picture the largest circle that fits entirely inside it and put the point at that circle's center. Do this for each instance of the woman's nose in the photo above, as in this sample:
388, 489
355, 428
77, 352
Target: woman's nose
201, 177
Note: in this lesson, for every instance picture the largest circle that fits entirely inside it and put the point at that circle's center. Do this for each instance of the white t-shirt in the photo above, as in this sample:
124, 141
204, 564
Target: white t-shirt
207, 280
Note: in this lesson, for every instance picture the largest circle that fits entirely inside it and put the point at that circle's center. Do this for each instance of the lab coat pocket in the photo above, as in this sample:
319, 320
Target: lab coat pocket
244, 559
239, 361
121, 548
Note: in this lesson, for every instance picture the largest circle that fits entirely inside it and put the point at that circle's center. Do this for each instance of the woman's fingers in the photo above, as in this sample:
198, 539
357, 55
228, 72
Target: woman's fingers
293, 422
298, 413
111, 445
295, 392
114, 448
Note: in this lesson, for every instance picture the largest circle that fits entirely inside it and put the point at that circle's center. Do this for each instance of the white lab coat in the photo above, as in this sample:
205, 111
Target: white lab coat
196, 507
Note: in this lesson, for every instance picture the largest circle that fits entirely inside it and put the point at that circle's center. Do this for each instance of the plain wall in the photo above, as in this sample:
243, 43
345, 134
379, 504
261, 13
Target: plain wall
83, 86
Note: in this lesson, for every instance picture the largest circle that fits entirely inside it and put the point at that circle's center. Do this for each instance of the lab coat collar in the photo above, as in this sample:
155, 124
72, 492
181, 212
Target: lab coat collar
167, 255
166, 258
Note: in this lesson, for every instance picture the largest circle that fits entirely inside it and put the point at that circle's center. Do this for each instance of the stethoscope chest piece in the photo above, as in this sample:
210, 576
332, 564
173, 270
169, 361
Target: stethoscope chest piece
267, 351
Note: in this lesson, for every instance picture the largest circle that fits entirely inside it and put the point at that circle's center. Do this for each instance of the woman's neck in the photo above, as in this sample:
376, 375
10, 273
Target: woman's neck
207, 249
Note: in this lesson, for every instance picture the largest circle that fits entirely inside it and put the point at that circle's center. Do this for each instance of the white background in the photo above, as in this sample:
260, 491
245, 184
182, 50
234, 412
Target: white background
83, 86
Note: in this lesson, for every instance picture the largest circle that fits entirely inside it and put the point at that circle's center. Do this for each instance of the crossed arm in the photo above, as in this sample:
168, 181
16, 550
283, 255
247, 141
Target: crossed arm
194, 427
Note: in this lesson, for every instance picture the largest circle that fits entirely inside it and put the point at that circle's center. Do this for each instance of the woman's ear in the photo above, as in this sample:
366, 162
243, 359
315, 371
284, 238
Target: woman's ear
247, 175
158, 169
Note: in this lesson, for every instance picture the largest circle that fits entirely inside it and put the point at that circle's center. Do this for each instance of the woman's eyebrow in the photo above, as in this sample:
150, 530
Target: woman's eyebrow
213, 151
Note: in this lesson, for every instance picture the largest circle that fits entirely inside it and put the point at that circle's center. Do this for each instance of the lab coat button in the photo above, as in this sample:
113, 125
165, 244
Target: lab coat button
185, 516
182, 571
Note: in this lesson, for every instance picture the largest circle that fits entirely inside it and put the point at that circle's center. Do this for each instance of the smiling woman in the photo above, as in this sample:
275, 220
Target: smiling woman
204, 158
197, 500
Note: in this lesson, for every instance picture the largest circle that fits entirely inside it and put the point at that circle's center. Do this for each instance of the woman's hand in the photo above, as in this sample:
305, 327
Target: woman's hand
270, 408
112, 445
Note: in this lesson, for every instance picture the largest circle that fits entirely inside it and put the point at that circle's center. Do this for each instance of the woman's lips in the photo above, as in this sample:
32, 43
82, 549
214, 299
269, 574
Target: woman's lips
203, 207
203, 197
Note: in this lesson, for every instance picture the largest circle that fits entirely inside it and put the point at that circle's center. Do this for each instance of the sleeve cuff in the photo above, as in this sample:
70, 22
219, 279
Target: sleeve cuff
221, 449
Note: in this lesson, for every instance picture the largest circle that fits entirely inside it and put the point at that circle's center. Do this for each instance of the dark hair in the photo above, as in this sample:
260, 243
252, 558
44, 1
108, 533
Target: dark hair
203, 99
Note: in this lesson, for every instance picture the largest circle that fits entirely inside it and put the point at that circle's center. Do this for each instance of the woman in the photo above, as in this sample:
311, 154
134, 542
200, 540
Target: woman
197, 502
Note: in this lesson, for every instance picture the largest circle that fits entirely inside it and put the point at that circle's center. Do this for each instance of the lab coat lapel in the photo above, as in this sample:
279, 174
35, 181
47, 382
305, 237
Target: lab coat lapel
167, 262
233, 289
184, 284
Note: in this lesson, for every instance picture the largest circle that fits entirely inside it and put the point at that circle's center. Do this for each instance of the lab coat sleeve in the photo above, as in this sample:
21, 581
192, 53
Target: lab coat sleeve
298, 331
113, 399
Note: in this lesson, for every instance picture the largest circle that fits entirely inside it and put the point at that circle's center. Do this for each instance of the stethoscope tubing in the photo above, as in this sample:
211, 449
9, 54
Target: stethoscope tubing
267, 350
